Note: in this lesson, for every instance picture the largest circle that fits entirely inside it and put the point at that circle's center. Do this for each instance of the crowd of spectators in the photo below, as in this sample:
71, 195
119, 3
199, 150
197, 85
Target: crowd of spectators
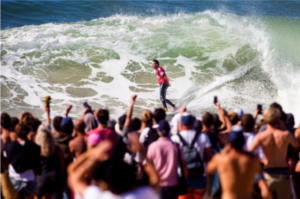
224, 155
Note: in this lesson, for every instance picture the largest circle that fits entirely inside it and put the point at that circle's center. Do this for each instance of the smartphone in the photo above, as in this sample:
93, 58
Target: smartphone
215, 99
47, 101
259, 107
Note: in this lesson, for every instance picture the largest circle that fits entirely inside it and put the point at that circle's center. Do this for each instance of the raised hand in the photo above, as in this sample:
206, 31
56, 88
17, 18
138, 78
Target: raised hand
68, 109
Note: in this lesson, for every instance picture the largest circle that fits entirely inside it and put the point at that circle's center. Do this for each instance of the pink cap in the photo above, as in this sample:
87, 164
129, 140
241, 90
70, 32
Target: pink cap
94, 139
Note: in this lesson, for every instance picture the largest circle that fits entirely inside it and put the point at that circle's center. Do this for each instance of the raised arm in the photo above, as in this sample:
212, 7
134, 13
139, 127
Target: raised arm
48, 119
68, 109
84, 163
129, 113
223, 114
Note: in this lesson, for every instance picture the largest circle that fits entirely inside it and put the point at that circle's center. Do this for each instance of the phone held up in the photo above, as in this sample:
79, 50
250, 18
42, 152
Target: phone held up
215, 100
259, 107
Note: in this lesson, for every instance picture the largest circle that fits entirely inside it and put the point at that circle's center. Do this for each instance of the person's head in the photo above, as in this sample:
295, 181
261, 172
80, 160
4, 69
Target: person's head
155, 63
198, 126
26, 118
159, 114
207, 119
282, 113
22, 131
121, 121
45, 140
5, 121
239, 112
117, 176
66, 125
56, 123
187, 121
236, 137
233, 117
163, 128
217, 123
90, 122
147, 117
290, 120
111, 124
35, 124
103, 116
272, 116
13, 122
248, 123
135, 124
79, 126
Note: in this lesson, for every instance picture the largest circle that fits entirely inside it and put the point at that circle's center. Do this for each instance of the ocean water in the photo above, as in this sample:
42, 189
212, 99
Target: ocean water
244, 52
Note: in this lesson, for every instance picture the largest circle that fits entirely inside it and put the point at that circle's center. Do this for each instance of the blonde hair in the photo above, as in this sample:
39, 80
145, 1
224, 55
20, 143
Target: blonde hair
45, 140
147, 117
271, 116
26, 118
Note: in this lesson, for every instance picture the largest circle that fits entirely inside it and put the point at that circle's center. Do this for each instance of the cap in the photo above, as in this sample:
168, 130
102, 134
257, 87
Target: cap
239, 112
163, 125
93, 139
236, 137
66, 121
187, 119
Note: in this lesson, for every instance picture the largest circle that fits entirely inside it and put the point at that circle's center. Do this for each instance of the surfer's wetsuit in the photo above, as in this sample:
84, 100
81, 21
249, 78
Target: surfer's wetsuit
163, 87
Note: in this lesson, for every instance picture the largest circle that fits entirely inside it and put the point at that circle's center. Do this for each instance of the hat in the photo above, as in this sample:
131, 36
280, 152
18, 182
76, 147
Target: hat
198, 126
93, 139
187, 119
163, 125
239, 112
236, 137
67, 121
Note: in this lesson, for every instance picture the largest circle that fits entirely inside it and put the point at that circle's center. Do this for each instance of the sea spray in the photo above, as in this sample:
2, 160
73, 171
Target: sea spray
105, 60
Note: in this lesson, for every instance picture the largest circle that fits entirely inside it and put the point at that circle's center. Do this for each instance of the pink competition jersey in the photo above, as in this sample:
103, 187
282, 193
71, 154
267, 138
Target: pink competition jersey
160, 72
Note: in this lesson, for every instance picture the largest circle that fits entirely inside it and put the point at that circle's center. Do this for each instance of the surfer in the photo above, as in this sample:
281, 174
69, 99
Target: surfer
164, 84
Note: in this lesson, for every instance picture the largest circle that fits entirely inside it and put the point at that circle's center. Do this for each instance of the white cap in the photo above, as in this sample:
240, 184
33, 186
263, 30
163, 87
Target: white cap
239, 112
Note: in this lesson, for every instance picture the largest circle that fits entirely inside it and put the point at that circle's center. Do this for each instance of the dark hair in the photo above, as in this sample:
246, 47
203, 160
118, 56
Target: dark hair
282, 113
22, 130
207, 119
118, 175
103, 116
13, 122
111, 124
56, 123
156, 61
5, 121
80, 126
237, 140
290, 120
35, 124
159, 114
135, 124
164, 133
121, 121
248, 122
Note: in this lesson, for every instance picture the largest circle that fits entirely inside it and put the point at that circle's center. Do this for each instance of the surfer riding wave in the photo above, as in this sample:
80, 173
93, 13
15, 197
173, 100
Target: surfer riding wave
164, 84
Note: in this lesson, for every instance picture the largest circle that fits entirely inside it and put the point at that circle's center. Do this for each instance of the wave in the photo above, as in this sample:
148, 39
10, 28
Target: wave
244, 60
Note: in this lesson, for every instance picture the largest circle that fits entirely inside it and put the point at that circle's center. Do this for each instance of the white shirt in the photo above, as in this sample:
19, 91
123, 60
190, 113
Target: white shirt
94, 192
201, 143
249, 137
144, 134
24, 176
174, 124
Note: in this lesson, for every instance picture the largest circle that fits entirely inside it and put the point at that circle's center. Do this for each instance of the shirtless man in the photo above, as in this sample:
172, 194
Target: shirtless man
78, 144
236, 170
275, 144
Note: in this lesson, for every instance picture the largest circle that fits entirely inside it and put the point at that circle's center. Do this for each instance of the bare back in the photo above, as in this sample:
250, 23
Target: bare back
78, 145
275, 145
237, 171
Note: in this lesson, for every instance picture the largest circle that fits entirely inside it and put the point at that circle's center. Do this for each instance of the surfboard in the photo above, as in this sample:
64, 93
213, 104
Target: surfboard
172, 112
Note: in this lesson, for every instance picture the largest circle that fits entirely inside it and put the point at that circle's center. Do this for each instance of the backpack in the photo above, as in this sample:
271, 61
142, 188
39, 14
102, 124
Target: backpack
192, 157
150, 137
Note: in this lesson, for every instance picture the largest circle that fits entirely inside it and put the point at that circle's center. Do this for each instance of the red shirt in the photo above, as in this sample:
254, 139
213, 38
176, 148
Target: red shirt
160, 73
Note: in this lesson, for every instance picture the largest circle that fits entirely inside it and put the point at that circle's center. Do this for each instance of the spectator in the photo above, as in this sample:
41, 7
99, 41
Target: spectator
13, 122
186, 136
5, 125
24, 159
164, 155
79, 144
52, 164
